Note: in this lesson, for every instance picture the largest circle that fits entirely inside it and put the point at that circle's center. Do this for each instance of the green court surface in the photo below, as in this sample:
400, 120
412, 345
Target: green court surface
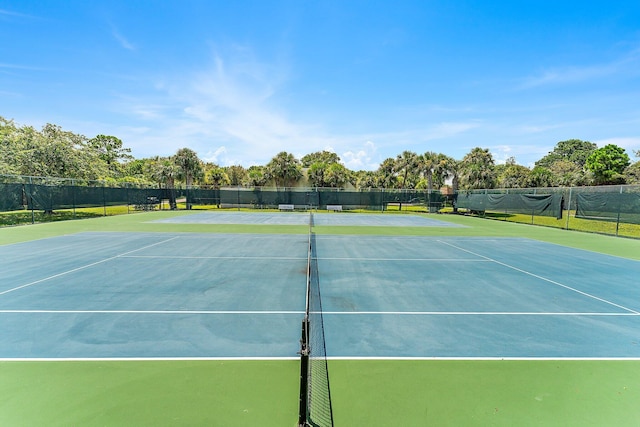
365, 392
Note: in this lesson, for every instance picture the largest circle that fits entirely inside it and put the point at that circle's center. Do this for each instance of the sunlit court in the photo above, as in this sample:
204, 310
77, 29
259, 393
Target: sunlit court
157, 295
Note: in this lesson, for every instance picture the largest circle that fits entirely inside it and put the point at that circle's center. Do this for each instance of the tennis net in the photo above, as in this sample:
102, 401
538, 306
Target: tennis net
315, 393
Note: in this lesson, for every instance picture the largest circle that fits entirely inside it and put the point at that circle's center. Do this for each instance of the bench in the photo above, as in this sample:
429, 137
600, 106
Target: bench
286, 207
334, 208
149, 204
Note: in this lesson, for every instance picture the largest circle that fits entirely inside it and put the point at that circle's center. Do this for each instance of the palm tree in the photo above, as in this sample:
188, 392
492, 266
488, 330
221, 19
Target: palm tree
164, 171
428, 162
407, 166
387, 173
336, 175
284, 169
189, 165
477, 169
316, 173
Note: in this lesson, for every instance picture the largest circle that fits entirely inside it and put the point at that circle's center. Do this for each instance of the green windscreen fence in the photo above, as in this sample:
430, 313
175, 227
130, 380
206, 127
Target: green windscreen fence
44, 194
318, 198
621, 206
11, 197
604, 203
528, 204
41, 197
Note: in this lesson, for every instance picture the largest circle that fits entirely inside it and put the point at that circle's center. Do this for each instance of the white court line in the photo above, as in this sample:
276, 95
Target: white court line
150, 312
213, 257
542, 278
495, 358
473, 313
289, 358
402, 259
333, 313
84, 266
140, 359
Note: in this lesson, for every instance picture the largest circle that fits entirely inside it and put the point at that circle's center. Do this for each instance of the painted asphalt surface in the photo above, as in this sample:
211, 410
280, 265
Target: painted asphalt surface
153, 295
302, 218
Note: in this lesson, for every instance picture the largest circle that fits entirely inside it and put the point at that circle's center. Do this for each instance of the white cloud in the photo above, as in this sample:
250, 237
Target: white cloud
629, 144
215, 156
362, 159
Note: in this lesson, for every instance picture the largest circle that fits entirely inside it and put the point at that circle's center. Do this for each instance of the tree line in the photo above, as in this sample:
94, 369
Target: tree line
55, 152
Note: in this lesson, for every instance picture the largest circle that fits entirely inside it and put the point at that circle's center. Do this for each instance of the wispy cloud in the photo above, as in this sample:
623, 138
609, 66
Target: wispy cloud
628, 63
22, 67
119, 37
230, 105
10, 14
126, 44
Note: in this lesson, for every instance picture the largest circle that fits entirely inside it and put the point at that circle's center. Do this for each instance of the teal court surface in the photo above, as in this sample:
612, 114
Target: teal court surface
302, 218
144, 295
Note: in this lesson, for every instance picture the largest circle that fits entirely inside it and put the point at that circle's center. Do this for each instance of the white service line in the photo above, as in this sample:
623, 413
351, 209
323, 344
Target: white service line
214, 257
83, 267
140, 359
541, 278
150, 312
473, 313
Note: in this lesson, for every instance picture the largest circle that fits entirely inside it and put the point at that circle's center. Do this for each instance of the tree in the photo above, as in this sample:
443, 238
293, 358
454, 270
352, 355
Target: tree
433, 167
608, 163
512, 175
387, 177
189, 165
284, 169
326, 157
217, 177
336, 175
567, 174
9, 147
406, 168
110, 150
632, 173
572, 150
540, 177
477, 170
58, 153
366, 180
256, 176
164, 171
316, 173
237, 174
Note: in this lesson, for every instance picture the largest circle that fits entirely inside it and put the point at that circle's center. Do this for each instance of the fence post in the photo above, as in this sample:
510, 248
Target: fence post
619, 209
73, 197
104, 201
569, 207
33, 215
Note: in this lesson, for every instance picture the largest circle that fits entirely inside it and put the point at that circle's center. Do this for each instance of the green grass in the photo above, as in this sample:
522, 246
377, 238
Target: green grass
365, 393
486, 393
149, 393
573, 223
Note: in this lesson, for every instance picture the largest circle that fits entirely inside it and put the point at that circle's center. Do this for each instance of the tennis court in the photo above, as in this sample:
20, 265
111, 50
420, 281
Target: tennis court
240, 295
302, 218
157, 295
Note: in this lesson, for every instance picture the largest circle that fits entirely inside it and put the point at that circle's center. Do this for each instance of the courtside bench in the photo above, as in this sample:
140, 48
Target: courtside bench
286, 207
336, 208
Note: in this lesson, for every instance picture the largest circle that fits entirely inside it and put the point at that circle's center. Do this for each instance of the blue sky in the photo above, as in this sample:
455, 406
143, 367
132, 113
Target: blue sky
239, 81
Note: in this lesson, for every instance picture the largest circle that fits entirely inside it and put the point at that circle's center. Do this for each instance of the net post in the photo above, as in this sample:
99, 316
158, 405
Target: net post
304, 374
